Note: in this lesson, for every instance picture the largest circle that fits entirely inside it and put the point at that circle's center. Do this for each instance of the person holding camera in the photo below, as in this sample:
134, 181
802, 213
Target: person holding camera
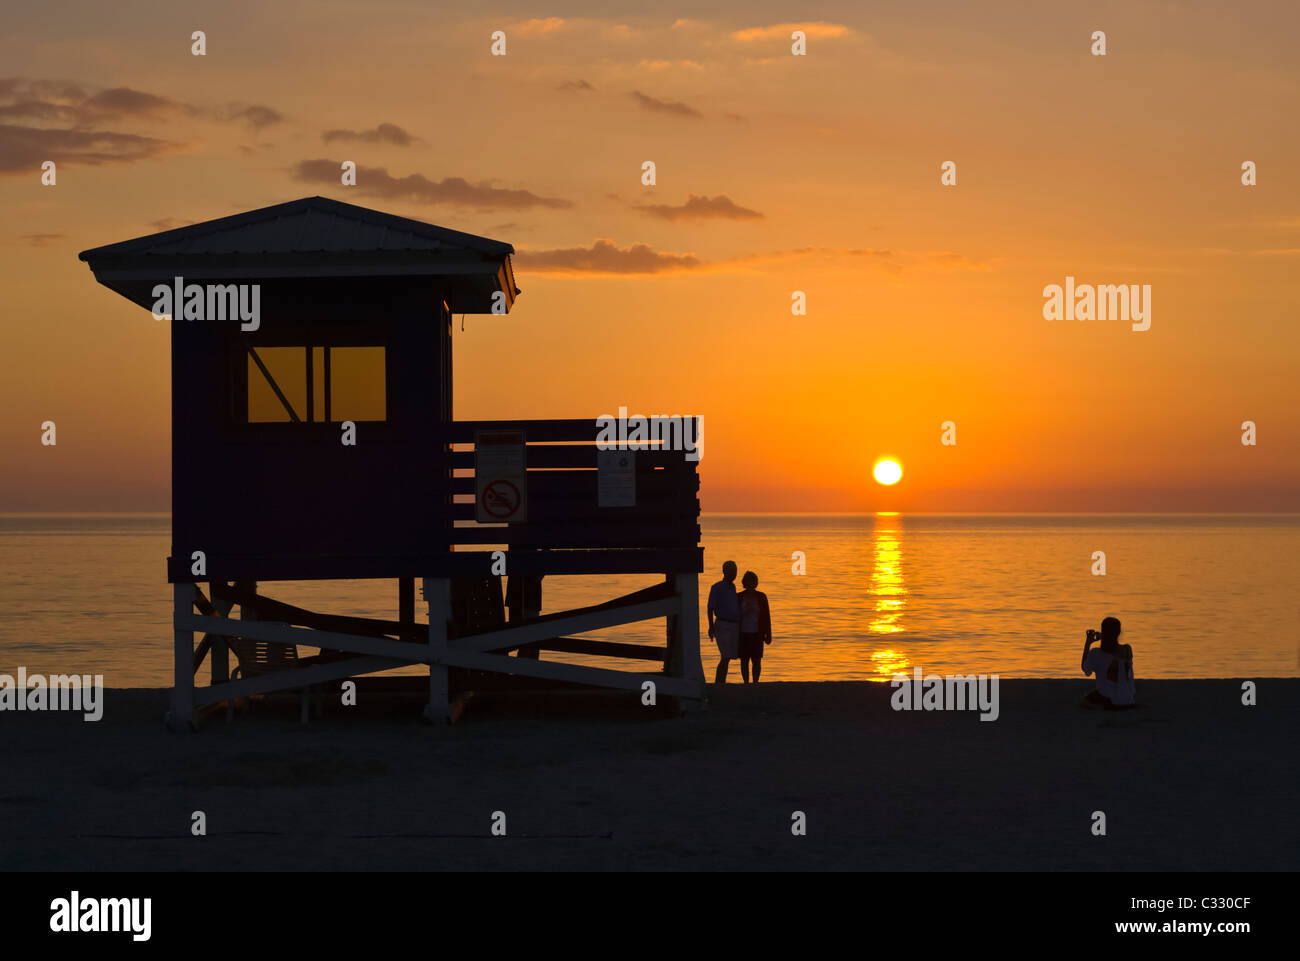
1112, 663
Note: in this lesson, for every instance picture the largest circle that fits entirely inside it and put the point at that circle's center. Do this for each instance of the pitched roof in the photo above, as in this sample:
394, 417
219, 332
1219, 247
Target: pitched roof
310, 237
308, 225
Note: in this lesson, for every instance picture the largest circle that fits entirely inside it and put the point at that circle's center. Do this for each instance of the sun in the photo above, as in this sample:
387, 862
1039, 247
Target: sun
887, 471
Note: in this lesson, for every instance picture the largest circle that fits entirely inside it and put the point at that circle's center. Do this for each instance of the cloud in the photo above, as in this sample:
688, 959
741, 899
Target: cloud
254, 116
64, 122
55, 89
893, 260
456, 191
665, 106
670, 65
169, 223
783, 30
536, 27
385, 133
52, 101
26, 148
576, 85
125, 102
605, 257
63, 102
40, 240
40, 111
701, 208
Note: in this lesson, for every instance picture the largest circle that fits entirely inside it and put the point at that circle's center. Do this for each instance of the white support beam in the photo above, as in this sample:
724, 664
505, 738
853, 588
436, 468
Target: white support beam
560, 626
281, 633
578, 674
688, 664
295, 678
181, 715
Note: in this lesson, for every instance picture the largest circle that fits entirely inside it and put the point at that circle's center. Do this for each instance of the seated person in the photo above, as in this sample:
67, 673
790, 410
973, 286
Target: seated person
1112, 663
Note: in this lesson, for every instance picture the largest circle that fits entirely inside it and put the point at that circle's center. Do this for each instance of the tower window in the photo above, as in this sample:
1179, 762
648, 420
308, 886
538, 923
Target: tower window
316, 384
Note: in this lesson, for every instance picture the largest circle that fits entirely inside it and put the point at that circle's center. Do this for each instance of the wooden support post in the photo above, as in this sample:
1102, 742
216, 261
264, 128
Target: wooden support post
685, 656
673, 654
246, 613
437, 592
406, 600
181, 715
219, 653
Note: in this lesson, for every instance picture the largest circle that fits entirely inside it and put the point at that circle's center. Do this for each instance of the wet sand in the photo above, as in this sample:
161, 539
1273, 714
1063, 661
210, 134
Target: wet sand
1191, 781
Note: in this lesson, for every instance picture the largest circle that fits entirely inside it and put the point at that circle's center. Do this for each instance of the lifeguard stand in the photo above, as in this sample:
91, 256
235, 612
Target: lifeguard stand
352, 336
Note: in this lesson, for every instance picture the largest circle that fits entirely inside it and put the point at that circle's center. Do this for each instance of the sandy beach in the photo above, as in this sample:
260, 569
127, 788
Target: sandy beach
1191, 781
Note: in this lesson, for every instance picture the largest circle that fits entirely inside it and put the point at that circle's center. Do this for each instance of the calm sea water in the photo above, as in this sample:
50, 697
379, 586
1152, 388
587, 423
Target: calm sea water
1199, 595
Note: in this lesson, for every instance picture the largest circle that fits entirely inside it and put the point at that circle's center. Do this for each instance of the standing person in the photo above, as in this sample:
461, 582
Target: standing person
724, 620
755, 625
1112, 663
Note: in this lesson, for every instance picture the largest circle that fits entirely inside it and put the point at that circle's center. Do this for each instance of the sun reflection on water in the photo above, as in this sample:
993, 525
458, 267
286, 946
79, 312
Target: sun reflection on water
888, 591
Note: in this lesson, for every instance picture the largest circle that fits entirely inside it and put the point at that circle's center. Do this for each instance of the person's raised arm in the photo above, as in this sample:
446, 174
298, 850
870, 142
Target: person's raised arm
1083, 661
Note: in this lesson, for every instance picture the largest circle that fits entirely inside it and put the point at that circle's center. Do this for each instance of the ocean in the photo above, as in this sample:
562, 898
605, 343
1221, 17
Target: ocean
1199, 596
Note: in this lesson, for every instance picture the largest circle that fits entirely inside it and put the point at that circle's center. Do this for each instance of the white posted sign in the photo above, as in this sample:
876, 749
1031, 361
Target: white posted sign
615, 478
500, 477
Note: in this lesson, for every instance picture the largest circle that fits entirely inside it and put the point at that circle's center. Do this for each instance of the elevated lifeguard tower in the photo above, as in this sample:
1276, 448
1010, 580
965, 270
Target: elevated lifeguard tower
352, 331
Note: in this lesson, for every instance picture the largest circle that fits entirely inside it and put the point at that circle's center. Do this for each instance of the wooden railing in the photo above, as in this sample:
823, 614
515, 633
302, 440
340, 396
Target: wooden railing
563, 506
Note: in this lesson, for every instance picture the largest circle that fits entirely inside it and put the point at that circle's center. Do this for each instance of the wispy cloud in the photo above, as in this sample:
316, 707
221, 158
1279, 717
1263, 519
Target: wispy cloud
538, 27
254, 116
891, 259
455, 191
389, 133
576, 85
665, 106
125, 102
670, 65
605, 257
819, 28
64, 102
40, 240
720, 207
26, 148
65, 122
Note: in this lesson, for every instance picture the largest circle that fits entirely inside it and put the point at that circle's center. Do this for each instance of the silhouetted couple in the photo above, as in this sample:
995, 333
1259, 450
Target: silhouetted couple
740, 623
1112, 663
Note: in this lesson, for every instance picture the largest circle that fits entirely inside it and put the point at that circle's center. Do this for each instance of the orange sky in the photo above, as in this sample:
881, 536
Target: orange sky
817, 173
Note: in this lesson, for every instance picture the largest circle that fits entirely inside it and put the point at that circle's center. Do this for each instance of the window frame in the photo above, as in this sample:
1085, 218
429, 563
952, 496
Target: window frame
242, 351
